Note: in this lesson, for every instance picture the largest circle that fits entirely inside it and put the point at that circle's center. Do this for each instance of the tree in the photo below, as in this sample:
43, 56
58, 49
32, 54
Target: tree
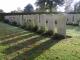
68, 4
77, 7
1, 11
49, 4
13, 11
19, 10
29, 8
1, 16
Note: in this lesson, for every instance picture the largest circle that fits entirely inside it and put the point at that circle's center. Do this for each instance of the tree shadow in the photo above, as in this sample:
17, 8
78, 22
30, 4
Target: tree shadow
32, 53
13, 35
37, 50
14, 40
24, 44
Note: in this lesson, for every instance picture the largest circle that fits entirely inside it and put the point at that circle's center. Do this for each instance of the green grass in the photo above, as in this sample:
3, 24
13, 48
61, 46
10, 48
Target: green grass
19, 44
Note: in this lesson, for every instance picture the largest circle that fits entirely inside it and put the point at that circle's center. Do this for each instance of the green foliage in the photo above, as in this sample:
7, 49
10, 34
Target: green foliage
72, 24
58, 37
77, 7
6, 21
14, 23
42, 30
1, 18
29, 8
49, 33
49, 4
29, 27
35, 28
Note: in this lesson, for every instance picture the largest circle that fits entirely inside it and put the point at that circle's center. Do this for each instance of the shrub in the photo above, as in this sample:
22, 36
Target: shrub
42, 30
49, 33
29, 28
58, 37
72, 24
23, 27
34, 29
14, 23
6, 21
1, 17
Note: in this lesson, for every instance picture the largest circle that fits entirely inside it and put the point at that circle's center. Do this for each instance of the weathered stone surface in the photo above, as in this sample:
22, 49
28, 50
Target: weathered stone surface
48, 22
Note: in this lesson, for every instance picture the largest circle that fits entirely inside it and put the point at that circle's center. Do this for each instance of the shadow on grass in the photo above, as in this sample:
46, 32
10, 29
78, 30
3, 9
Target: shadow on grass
32, 53
16, 39
13, 35
24, 44
37, 50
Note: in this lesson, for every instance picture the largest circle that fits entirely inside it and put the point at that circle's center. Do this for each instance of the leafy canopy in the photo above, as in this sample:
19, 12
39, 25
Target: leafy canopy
49, 4
28, 8
77, 7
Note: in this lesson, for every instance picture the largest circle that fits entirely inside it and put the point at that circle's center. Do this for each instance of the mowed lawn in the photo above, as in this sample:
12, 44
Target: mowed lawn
20, 44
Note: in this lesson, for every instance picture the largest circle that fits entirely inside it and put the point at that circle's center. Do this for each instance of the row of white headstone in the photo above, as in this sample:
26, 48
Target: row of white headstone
51, 22
73, 19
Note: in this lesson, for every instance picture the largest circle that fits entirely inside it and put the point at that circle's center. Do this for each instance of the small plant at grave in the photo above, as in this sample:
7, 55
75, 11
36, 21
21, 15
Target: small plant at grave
42, 30
23, 27
14, 23
75, 24
6, 21
72, 24
35, 28
58, 37
29, 28
49, 33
